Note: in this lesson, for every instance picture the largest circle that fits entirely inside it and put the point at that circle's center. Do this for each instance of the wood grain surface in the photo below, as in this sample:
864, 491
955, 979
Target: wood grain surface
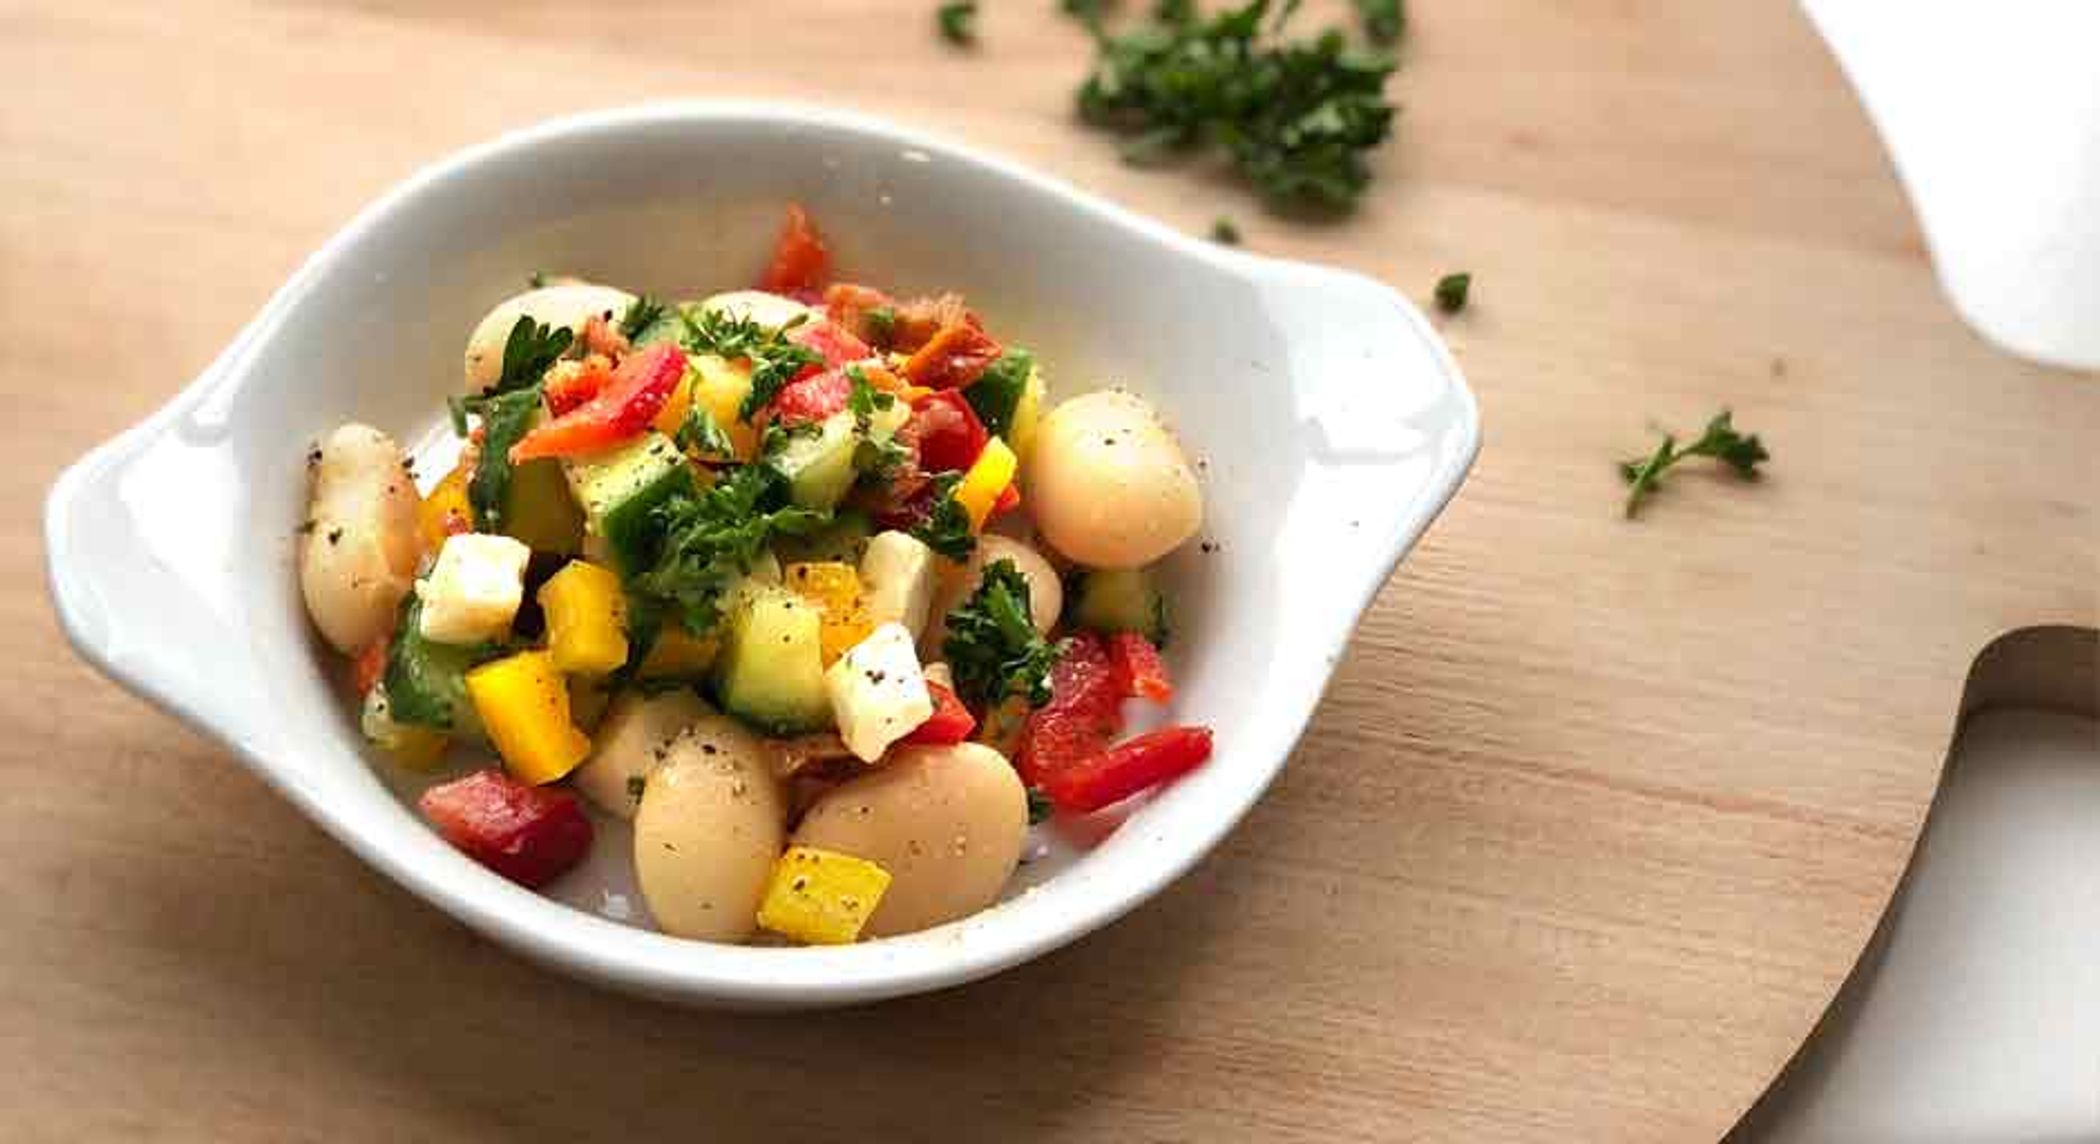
1591, 825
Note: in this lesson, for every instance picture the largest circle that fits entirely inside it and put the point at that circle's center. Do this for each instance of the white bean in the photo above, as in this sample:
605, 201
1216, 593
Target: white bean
713, 820
566, 306
1108, 484
361, 545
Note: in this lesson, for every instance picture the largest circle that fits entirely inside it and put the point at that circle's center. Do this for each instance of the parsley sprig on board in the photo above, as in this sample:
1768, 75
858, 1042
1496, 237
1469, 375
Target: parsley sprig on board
1741, 453
992, 645
1296, 117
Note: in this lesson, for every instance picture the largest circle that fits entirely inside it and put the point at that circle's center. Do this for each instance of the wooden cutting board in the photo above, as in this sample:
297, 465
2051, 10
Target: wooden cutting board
1592, 823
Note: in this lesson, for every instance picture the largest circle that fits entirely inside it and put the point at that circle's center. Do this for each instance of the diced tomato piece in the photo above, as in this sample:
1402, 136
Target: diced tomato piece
368, 667
626, 407
1140, 673
951, 722
573, 384
1009, 500
526, 833
952, 358
1127, 768
812, 398
800, 260
946, 432
837, 345
1085, 710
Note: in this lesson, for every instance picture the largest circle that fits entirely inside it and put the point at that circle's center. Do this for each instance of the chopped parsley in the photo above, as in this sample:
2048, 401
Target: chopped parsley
865, 399
641, 314
992, 645
1039, 806
1225, 232
957, 21
997, 392
505, 419
636, 785
538, 281
1296, 117
1742, 454
530, 349
701, 434
711, 540
1385, 21
881, 324
1452, 290
946, 528
775, 361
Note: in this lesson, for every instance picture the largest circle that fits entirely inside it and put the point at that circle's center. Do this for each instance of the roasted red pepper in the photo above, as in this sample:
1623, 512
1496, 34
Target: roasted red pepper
626, 407
1009, 499
368, 667
834, 343
526, 833
1127, 768
952, 358
1084, 713
800, 261
573, 384
951, 722
945, 431
1140, 673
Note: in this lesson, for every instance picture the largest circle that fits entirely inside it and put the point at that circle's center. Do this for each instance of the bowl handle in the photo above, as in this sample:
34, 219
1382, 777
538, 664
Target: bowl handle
139, 538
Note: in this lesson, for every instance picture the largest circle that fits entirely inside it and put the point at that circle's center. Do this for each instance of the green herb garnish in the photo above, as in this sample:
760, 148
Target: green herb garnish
1385, 21
528, 352
636, 785
946, 528
1720, 441
1225, 232
505, 419
957, 21
538, 280
1452, 290
865, 399
992, 645
1039, 806
641, 314
710, 541
997, 392
1296, 117
774, 360
881, 325
700, 434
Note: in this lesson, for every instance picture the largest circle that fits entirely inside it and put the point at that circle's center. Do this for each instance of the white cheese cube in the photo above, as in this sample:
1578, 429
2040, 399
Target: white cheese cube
897, 578
878, 694
474, 590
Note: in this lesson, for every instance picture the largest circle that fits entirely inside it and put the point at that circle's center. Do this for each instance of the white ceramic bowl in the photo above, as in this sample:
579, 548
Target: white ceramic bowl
1330, 423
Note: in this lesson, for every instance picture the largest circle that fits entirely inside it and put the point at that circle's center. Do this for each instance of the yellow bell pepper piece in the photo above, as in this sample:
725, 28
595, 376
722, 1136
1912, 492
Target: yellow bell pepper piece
821, 897
720, 386
836, 591
988, 477
586, 614
678, 654
672, 415
524, 707
446, 510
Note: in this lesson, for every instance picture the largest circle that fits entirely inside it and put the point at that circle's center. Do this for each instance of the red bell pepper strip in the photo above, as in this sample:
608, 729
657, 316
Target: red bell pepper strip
1009, 499
1127, 768
800, 260
951, 722
369, 666
952, 358
526, 833
1140, 673
946, 432
573, 384
626, 407
1085, 710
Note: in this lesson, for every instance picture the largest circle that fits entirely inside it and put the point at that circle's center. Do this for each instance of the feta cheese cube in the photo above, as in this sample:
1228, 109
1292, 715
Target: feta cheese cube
473, 591
878, 693
898, 575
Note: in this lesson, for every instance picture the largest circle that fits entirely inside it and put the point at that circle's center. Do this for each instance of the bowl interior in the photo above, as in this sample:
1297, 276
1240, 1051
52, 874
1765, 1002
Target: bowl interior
1263, 369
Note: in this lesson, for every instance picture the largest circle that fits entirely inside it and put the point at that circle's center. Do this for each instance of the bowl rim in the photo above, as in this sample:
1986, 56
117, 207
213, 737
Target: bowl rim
650, 962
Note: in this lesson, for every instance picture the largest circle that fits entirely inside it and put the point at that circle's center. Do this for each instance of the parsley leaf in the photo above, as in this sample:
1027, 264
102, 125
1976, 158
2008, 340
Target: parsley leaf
505, 418
946, 528
1385, 21
1720, 441
1039, 806
997, 392
881, 325
641, 314
864, 399
957, 20
1451, 291
1225, 232
774, 360
700, 434
992, 645
1295, 117
538, 281
710, 542
527, 353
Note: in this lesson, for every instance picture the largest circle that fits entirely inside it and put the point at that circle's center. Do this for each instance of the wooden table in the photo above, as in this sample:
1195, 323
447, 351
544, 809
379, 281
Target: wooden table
1596, 815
